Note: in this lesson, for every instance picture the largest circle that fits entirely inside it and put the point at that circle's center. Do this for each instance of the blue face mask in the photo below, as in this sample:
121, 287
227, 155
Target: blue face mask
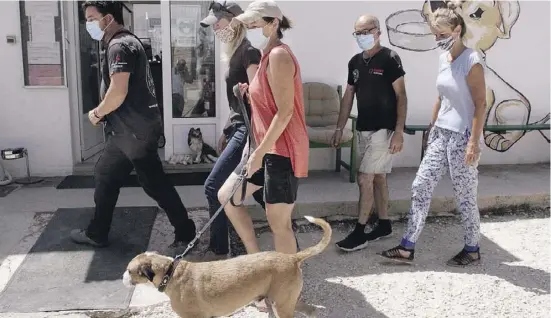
365, 42
95, 30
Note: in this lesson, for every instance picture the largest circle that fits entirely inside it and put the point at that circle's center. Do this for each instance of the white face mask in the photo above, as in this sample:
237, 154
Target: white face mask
95, 30
366, 42
257, 38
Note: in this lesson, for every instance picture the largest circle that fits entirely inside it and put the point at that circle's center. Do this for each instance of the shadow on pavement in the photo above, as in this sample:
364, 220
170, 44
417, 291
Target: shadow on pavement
329, 278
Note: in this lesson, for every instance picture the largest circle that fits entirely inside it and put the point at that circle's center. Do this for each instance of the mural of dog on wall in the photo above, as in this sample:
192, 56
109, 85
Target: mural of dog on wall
487, 21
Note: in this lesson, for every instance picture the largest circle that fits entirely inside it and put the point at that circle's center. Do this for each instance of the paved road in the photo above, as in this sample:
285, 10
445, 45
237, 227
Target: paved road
512, 281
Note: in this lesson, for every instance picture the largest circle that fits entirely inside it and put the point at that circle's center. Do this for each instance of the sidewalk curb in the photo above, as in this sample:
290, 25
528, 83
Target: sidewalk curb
440, 206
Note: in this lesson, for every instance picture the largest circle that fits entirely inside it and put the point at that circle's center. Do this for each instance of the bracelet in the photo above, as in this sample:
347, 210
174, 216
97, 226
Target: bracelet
96, 113
338, 129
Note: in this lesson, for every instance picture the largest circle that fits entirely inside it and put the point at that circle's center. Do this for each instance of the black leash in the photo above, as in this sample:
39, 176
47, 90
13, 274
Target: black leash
241, 182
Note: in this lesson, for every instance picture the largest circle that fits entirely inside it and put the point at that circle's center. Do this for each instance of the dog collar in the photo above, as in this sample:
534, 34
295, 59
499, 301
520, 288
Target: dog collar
168, 275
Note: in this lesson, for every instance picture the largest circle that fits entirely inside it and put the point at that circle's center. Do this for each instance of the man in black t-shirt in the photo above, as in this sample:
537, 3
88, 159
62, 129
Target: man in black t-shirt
132, 126
376, 78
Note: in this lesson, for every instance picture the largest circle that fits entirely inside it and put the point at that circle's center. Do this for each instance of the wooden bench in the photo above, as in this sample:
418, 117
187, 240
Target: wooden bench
413, 129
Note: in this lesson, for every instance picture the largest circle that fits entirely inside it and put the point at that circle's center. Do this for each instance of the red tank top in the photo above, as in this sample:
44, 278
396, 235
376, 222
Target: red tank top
293, 142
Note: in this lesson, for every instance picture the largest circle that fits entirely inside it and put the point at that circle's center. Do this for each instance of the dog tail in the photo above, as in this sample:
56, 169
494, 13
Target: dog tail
318, 248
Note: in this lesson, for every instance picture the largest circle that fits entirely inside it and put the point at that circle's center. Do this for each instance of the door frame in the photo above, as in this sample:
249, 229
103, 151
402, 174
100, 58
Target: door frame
75, 85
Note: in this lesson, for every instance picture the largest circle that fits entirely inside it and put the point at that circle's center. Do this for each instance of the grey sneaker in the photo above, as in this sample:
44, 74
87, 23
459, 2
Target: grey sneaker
210, 256
79, 236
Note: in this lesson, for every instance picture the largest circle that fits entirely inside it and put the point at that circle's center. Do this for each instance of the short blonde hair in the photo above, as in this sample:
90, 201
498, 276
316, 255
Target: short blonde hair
448, 17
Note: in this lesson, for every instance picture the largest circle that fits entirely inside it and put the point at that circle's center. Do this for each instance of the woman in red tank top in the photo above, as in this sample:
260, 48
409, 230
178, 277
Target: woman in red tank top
278, 127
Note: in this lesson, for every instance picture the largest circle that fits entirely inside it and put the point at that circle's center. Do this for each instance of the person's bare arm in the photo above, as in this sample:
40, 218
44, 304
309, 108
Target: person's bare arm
115, 95
346, 106
121, 60
281, 72
251, 71
401, 104
477, 84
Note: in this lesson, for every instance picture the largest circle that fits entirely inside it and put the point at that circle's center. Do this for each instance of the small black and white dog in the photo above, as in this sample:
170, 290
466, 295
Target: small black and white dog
202, 152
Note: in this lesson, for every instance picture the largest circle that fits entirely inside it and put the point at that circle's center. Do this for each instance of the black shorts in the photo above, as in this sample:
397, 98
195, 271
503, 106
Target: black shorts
276, 177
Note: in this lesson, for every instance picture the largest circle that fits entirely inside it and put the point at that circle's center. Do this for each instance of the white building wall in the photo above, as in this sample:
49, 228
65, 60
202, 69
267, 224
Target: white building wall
322, 41
35, 118
39, 118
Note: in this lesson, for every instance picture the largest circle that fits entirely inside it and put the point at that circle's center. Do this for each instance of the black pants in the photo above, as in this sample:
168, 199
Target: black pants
224, 166
122, 154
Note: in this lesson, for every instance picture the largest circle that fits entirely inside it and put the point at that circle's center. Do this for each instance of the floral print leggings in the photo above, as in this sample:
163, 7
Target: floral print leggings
445, 151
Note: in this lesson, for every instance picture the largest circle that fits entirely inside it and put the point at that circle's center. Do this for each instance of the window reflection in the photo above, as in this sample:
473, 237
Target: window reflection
193, 73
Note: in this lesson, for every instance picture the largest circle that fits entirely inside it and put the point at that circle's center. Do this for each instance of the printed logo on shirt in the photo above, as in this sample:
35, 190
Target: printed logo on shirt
376, 71
356, 75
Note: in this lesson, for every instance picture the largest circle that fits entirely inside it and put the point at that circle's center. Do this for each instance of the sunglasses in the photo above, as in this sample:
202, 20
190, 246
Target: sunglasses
217, 7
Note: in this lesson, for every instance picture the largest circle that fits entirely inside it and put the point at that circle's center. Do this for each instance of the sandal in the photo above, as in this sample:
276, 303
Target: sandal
464, 258
396, 254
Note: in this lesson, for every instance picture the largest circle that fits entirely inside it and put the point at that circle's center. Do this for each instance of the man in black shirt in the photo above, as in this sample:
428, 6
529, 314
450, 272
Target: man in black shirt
133, 128
376, 78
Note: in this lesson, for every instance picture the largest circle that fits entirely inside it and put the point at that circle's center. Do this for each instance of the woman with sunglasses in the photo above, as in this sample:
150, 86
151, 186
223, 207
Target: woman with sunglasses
243, 60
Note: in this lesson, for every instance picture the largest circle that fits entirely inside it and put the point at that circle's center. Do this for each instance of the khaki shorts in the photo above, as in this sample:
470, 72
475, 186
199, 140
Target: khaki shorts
373, 151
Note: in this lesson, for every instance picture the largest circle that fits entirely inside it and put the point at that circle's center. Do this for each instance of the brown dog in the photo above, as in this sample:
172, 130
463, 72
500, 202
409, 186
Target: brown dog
213, 289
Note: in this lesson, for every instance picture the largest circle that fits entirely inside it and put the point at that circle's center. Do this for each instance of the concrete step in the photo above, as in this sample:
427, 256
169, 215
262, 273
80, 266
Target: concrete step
325, 194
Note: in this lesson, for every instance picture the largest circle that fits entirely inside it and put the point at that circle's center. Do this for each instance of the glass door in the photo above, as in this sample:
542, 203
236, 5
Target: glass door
89, 55
91, 137
189, 75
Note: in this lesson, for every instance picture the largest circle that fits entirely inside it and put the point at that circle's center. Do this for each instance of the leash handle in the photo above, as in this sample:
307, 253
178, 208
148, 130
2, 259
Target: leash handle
241, 103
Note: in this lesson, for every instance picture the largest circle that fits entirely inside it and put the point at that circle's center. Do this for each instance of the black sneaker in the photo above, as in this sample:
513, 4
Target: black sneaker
211, 256
183, 238
356, 240
79, 236
382, 229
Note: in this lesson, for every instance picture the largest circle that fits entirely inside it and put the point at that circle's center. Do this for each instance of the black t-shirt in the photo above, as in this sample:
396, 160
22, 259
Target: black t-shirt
244, 56
372, 80
139, 112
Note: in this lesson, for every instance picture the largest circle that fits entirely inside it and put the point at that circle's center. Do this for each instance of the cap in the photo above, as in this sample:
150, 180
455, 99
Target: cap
260, 9
219, 9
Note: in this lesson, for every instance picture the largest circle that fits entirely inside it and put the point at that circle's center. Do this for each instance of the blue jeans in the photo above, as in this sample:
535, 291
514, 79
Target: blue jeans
225, 165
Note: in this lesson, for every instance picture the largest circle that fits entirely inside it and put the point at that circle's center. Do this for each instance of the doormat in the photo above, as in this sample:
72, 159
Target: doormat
178, 179
59, 275
7, 189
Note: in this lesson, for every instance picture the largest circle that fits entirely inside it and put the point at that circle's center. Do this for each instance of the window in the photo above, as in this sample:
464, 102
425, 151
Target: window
147, 25
192, 68
42, 43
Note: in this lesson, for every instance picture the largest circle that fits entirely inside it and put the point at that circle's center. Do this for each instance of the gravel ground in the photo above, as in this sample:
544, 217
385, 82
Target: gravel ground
511, 281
